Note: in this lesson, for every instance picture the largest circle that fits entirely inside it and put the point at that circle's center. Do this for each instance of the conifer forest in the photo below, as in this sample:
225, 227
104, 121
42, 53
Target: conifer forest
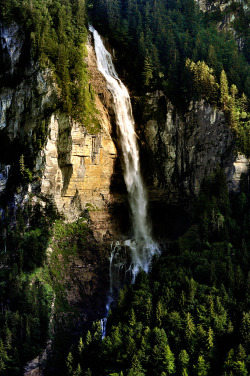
154, 297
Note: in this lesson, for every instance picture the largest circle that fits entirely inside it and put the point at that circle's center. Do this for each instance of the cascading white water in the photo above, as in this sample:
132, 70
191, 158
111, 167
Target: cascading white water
142, 247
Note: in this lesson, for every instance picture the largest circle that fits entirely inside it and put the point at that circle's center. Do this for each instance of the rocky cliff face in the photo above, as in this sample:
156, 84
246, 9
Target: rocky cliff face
80, 171
227, 12
74, 168
180, 150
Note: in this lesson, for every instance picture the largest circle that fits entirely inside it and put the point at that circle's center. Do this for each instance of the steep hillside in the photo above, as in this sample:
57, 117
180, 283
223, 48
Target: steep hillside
63, 200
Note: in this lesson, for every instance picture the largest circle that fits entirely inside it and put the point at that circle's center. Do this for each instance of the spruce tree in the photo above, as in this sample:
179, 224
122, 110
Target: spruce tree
21, 164
147, 73
224, 95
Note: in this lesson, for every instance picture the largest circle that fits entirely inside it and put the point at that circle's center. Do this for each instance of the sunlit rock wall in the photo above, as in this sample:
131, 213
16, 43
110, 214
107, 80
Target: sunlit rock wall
180, 150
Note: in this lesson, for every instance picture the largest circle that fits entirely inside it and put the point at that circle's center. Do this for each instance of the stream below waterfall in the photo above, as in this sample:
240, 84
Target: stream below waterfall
129, 256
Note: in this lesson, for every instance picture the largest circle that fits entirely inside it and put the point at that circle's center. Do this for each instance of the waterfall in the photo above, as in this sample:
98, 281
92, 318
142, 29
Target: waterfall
139, 250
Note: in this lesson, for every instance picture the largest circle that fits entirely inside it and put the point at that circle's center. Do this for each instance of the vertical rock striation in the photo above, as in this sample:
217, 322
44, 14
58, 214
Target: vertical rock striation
180, 150
79, 170
73, 167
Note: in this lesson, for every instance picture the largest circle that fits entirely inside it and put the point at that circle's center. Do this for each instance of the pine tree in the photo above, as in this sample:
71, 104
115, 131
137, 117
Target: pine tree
213, 60
80, 18
210, 340
204, 80
163, 358
190, 327
182, 299
147, 72
3, 357
169, 362
132, 318
136, 368
183, 360
241, 353
224, 95
228, 364
240, 368
159, 314
245, 330
80, 346
88, 338
201, 368
21, 164
78, 371
192, 289
233, 91
69, 364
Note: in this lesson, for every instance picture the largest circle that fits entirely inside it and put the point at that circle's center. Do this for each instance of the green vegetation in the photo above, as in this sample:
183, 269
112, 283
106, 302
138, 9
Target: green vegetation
68, 239
235, 107
21, 154
168, 34
25, 296
24, 319
55, 34
190, 314
58, 34
32, 281
165, 34
240, 23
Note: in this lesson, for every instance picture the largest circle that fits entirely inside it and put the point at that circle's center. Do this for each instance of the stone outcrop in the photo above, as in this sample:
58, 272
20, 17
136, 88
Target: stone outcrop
241, 165
4, 172
78, 167
27, 93
80, 171
180, 150
75, 168
229, 12
12, 40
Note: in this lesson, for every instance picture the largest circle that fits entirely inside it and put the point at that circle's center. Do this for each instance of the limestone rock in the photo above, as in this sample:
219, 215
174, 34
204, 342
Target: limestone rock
78, 173
5, 102
78, 167
11, 42
229, 14
241, 166
75, 168
4, 172
180, 150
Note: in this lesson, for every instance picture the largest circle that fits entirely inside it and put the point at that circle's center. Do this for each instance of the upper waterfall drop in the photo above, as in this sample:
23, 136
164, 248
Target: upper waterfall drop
142, 247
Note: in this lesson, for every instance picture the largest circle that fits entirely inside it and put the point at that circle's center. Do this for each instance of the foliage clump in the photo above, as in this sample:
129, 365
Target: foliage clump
33, 281
166, 34
26, 297
190, 314
236, 107
58, 34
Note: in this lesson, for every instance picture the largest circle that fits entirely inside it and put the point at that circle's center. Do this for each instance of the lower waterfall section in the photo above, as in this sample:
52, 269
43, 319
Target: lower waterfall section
126, 259
129, 256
